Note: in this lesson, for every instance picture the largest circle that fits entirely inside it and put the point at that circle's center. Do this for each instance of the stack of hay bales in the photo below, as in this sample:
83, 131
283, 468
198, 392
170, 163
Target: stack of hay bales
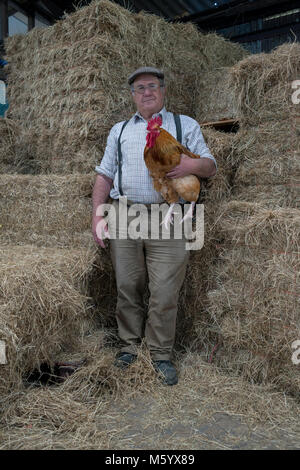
67, 84
65, 93
269, 145
255, 305
47, 257
253, 309
43, 308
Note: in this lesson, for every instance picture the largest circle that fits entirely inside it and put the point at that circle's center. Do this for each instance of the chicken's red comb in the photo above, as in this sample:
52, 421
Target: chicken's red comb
156, 120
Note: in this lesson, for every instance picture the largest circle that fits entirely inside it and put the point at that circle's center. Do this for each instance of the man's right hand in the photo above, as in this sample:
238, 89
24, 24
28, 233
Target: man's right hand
100, 230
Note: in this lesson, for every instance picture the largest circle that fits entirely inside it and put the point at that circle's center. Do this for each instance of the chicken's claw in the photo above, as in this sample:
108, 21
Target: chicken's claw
189, 214
169, 217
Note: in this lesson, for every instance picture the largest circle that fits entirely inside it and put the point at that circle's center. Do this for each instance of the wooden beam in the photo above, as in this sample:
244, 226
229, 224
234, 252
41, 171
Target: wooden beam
31, 10
4, 18
54, 9
31, 20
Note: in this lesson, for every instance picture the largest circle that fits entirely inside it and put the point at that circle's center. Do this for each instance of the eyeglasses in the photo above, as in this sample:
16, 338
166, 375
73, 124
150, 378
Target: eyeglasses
141, 88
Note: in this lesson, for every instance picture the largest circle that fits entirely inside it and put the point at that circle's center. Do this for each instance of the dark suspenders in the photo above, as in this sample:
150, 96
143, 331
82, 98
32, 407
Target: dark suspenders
178, 137
178, 128
120, 160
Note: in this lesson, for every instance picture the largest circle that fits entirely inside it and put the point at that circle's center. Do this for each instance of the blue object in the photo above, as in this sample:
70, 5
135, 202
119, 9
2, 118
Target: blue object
3, 101
3, 109
3, 62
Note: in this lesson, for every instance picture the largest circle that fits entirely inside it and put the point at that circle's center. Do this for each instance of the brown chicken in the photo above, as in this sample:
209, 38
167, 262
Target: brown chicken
161, 154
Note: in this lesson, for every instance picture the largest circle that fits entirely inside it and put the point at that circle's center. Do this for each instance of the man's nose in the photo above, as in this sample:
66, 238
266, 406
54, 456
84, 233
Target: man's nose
147, 91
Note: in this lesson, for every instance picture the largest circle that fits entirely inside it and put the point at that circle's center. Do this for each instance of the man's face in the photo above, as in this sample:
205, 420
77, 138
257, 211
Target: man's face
151, 101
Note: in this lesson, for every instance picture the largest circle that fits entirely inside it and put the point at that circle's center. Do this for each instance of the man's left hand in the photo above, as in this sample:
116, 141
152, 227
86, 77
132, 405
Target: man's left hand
185, 167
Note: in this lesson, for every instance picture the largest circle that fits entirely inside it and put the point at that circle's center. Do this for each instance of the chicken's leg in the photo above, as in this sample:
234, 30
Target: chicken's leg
189, 214
169, 216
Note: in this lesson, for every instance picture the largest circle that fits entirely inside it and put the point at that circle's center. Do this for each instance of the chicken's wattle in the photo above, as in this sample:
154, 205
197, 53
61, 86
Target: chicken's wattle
151, 137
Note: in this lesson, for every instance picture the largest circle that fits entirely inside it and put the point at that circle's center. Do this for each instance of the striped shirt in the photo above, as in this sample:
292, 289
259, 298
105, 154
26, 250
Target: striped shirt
136, 181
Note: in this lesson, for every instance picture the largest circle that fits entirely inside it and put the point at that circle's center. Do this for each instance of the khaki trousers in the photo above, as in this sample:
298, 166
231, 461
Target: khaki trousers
165, 262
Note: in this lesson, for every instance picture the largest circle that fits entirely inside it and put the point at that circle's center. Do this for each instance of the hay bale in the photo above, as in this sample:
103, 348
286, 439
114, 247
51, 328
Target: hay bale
216, 99
268, 155
269, 167
263, 85
256, 322
76, 88
273, 196
52, 210
8, 131
223, 147
15, 154
43, 306
252, 224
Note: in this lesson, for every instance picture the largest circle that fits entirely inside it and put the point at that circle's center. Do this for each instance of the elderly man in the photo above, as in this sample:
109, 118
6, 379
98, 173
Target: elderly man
164, 261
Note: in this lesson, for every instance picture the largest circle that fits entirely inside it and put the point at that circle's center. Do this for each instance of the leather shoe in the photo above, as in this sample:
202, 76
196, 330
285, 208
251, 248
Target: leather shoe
124, 360
167, 371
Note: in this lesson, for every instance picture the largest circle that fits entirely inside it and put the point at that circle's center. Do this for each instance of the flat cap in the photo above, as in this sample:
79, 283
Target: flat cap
142, 70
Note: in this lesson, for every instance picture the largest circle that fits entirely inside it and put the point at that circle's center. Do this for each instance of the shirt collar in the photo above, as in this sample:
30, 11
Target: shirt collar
162, 113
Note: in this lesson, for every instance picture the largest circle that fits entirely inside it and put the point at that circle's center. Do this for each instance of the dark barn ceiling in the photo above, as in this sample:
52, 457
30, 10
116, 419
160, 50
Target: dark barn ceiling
212, 13
54, 9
